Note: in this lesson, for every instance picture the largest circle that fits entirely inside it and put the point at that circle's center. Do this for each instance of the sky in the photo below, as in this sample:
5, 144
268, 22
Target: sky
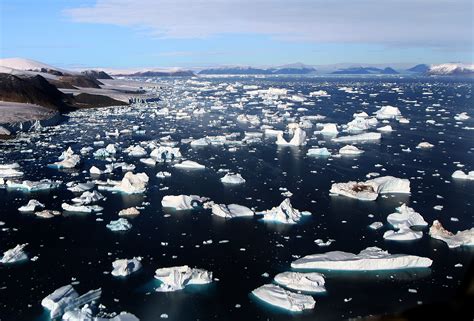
194, 33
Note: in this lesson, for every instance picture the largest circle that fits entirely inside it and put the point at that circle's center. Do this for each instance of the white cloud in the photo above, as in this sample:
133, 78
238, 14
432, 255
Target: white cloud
437, 23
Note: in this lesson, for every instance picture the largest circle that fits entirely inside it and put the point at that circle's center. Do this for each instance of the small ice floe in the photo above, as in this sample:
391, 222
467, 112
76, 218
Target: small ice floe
163, 174
321, 243
31, 206
178, 277
424, 145
81, 208
388, 112
462, 116
67, 160
125, 267
376, 225
323, 152
370, 259
130, 184
81, 187
284, 213
385, 129
148, 161
358, 137
232, 179
231, 210
183, 202
10, 170
370, 190
131, 211
461, 175
47, 213
187, 164
461, 238
307, 282
277, 296
164, 153
119, 225
66, 299
350, 150
14, 255
88, 198
298, 139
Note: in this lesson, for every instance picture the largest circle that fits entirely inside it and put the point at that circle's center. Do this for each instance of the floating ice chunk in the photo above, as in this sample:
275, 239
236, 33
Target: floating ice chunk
277, 296
81, 187
163, 174
67, 160
425, 145
31, 206
131, 211
231, 210
308, 282
385, 129
189, 165
119, 225
403, 234
111, 149
323, 152
465, 237
10, 170
166, 153
328, 129
125, 267
232, 179
362, 114
320, 242
183, 202
47, 213
406, 217
130, 184
33, 186
358, 137
95, 171
369, 190
461, 175
4, 131
462, 116
284, 213
81, 208
136, 151
148, 161
86, 314
15, 254
350, 150
178, 277
67, 299
376, 225
388, 112
298, 139
319, 93
370, 259
88, 198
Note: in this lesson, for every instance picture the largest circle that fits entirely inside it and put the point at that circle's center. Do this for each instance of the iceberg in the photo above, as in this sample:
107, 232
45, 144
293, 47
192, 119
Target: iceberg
388, 112
232, 179
47, 213
350, 150
81, 208
328, 129
284, 213
231, 210
424, 145
277, 296
403, 234
81, 187
462, 116
31, 206
88, 198
131, 211
66, 299
33, 186
323, 152
370, 259
461, 175
385, 129
358, 137
10, 170
130, 184
86, 314
189, 165
119, 225
67, 160
406, 217
178, 277
298, 139
465, 237
369, 190
163, 153
125, 267
183, 202
14, 255
307, 282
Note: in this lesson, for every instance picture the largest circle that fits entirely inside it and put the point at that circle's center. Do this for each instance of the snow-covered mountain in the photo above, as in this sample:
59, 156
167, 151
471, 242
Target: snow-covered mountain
452, 69
28, 65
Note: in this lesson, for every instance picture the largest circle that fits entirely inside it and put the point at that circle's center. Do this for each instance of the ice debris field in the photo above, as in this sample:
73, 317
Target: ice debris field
245, 198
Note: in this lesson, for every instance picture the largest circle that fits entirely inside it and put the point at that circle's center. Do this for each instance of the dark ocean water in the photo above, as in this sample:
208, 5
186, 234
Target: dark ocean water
76, 247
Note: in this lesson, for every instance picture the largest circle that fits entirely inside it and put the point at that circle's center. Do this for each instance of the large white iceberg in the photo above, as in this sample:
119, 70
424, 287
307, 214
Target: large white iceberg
231, 210
31, 206
277, 296
284, 213
130, 184
388, 112
232, 179
183, 202
370, 259
15, 254
406, 217
461, 175
298, 139
178, 277
369, 190
465, 237
308, 282
125, 267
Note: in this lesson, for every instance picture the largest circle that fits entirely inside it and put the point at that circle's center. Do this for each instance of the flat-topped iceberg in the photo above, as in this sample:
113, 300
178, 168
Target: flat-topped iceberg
465, 237
231, 210
66, 299
232, 179
178, 277
307, 282
298, 139
461, 175
403, 234
33, 186
323, 152
125, 267
284, 213
388, 112
328, 129
358, 137
370, 259
369, 190
277, 296
81, 208
183, 202
187, 164
14, 255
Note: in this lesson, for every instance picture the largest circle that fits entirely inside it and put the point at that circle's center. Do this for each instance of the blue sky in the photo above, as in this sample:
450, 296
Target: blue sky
140, 33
